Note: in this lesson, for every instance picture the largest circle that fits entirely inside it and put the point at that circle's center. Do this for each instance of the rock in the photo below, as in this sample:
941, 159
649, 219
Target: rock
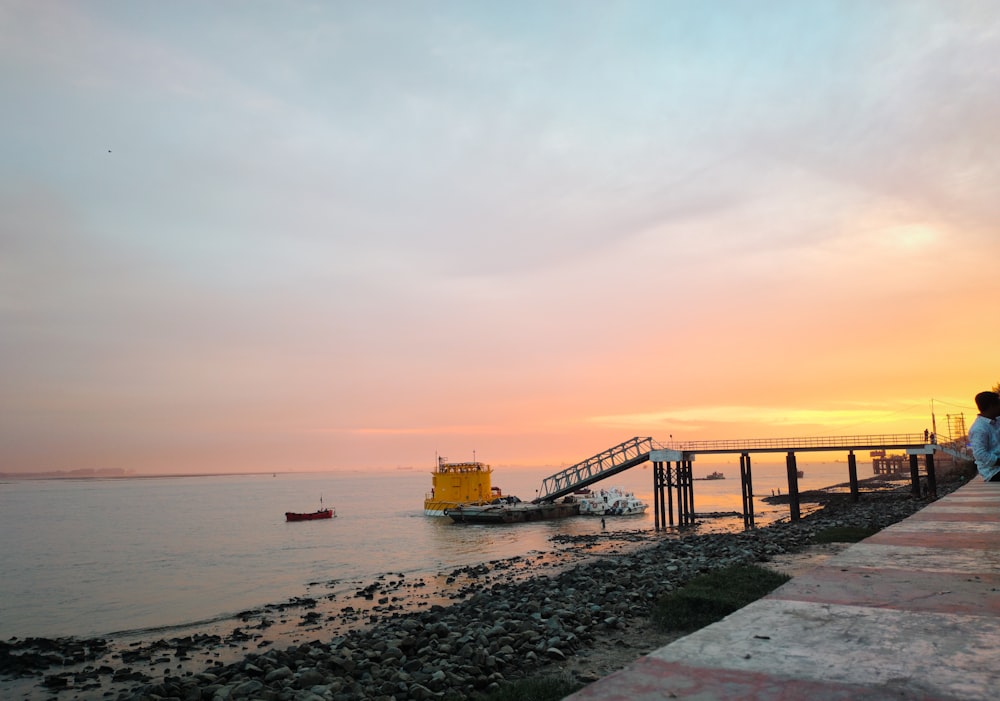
277, 674
246, 689
310, 677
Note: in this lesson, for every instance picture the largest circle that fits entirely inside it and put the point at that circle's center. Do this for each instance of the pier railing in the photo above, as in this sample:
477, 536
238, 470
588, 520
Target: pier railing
898, 441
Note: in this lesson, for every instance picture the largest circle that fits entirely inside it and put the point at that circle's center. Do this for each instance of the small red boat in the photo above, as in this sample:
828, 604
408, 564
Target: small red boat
312, 515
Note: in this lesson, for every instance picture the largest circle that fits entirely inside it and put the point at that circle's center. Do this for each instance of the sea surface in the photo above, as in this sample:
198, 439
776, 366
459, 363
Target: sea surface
101, 557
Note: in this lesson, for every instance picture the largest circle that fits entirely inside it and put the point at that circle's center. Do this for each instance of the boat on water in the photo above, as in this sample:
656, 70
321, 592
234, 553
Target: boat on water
320, 513
715, 476
310, 516
614, 501
510, 509
458, 484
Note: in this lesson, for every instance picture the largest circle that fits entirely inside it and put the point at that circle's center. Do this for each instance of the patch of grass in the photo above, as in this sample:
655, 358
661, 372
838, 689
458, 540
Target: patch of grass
844, 534
537, 689
712, 596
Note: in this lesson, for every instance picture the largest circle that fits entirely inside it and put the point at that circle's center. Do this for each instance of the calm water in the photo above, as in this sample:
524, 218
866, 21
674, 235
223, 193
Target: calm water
94, 557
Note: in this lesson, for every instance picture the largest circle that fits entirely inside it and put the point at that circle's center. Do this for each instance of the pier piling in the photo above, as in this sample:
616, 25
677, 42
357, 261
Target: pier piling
852, 475
915, 475
931, 476
793, 486
746, 482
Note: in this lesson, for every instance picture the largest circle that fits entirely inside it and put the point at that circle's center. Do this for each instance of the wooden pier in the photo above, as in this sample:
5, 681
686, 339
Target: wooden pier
673, 484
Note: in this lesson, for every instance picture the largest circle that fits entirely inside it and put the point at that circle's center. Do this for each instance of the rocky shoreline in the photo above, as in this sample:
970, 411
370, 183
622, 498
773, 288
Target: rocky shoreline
502, 621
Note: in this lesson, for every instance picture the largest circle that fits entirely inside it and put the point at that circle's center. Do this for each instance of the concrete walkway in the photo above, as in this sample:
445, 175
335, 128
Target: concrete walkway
911, 613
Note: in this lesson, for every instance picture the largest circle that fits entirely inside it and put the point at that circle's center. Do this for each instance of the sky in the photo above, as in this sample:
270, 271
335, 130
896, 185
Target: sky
263, 236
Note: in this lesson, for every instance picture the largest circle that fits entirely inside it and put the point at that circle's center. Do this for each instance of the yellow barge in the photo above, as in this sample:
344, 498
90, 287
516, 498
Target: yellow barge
459, 484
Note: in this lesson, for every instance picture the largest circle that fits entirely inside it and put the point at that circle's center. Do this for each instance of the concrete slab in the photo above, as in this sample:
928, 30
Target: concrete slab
973, 497
960, 514
848, 645
943, 525
918, 558
969, 508
943, 539
657, 680
897, 589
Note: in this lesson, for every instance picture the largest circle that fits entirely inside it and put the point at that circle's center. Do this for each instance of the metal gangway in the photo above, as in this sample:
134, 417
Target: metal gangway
957, 450
605, 464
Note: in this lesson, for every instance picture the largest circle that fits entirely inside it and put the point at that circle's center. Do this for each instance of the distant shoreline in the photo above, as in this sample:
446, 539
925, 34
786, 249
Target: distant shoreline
36, 476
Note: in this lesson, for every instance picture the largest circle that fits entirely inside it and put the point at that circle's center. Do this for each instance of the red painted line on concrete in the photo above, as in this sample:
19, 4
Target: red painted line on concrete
945, 540
967, 503
650, 679
899, 589
985, 516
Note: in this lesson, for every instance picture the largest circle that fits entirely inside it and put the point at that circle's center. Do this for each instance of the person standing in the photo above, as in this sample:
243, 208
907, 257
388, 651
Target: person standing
984, 436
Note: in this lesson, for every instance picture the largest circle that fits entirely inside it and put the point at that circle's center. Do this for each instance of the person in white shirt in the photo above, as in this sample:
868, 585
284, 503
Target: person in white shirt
984, 436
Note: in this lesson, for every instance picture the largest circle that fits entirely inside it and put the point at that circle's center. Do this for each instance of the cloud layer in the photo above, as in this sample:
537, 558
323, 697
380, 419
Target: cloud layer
308, 236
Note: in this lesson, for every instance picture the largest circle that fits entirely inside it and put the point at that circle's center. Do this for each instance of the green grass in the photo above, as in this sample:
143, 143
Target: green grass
536, 689
844, 534
712, 596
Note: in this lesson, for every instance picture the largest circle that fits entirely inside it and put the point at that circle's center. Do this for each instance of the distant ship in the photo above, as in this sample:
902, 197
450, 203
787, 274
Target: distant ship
458, 484
716, 476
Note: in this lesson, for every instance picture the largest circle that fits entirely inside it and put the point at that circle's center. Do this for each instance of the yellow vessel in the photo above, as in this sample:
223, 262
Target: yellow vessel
457, 484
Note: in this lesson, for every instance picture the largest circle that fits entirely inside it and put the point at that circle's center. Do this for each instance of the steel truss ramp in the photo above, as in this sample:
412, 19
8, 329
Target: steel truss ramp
606, 464
956, 452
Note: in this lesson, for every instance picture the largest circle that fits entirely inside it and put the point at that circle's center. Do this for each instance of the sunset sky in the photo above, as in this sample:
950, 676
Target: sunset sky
256, 236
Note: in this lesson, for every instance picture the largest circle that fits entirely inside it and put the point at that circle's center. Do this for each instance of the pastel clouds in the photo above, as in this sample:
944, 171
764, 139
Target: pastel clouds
348, 235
